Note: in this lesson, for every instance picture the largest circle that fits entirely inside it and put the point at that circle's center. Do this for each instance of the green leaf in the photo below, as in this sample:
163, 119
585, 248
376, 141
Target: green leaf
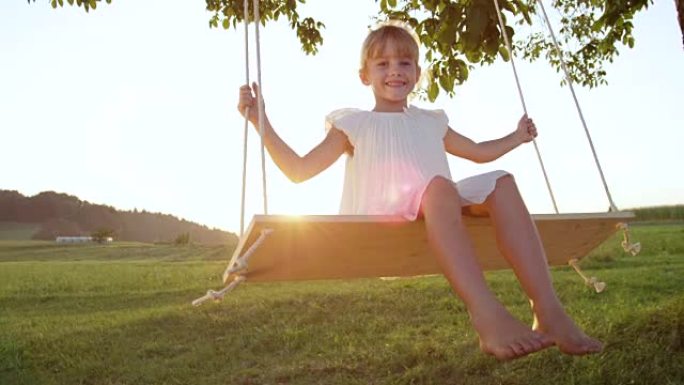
477, 19
507, 6
491, 47
503, 52
462, 70
510, 32
433, 91
473, 56
447, 34
446, 83
468, 41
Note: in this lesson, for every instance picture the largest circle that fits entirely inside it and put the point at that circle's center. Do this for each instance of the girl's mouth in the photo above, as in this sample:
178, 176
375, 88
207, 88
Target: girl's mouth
395, 84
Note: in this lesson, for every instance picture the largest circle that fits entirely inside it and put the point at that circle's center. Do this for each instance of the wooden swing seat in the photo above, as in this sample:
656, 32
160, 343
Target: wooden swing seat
357, 246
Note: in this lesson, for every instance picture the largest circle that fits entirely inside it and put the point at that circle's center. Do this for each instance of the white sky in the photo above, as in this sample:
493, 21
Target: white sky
133, 106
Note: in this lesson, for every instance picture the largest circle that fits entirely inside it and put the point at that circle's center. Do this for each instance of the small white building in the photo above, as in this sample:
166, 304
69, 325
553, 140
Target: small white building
79, 239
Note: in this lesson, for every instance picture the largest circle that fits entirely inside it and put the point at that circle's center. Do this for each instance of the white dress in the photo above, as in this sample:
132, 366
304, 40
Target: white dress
396, 155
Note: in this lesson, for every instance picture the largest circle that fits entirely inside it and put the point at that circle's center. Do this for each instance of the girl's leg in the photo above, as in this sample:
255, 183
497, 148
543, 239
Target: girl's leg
520, 244
500, 333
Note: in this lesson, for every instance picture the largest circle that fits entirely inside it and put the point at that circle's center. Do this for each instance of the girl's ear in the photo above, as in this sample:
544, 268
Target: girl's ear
418, 72
364, 77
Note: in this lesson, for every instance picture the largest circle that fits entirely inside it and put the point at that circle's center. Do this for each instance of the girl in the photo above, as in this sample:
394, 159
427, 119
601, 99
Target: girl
397, 165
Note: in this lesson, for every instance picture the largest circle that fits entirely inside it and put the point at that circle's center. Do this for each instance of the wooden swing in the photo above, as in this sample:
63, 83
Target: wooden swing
290, 248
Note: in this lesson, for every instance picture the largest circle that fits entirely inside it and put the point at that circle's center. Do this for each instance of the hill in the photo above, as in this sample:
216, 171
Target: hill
52, 214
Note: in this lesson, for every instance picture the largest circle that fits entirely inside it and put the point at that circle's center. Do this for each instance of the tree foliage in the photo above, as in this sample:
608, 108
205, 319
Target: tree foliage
102, 234
231, 12
86, 4
182, 239
458, 34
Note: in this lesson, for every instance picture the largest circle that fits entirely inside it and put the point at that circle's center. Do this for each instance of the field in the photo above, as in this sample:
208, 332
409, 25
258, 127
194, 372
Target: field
121, 314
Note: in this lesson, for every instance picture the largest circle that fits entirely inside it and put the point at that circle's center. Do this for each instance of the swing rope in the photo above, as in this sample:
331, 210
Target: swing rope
257, 20
240, 265
627, 245
245, 6
260, 108
613, 207
522, 101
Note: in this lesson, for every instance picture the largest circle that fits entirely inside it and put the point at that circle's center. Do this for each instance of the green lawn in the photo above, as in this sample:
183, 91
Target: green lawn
121, 314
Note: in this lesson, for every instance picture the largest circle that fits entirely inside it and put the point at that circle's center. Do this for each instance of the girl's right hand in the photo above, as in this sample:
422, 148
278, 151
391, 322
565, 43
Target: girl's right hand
249, 100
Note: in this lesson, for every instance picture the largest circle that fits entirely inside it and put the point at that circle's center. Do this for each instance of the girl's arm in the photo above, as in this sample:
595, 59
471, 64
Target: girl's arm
296, 168
459, 145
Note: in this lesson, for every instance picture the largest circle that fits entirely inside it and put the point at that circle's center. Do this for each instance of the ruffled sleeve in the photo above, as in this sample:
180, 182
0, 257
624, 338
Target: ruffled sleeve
345, 120
438, 118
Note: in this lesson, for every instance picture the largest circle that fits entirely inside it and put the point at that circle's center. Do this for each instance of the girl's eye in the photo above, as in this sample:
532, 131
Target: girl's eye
405, 63
382, 63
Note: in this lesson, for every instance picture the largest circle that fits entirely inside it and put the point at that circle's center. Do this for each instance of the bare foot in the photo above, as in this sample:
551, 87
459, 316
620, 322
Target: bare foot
504, 337
563, 331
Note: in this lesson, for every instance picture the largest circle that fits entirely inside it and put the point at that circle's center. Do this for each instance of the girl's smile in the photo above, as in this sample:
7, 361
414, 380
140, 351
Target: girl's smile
392, 78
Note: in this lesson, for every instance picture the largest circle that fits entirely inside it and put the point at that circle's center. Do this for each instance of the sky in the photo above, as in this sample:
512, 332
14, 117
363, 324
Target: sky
133, 105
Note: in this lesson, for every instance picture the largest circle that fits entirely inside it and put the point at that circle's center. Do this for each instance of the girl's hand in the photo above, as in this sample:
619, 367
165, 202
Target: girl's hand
526, 131
249, 100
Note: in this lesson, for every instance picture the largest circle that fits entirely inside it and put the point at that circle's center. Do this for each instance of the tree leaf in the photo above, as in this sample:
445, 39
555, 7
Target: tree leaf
433, 91
477, 19
503, 52
446, 83
446, 34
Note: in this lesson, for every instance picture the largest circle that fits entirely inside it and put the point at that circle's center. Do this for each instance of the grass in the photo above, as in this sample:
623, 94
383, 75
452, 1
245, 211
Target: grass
121, 314
49, 251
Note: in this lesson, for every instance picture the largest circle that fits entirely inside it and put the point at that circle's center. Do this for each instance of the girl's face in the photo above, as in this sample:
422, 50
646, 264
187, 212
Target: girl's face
392, 77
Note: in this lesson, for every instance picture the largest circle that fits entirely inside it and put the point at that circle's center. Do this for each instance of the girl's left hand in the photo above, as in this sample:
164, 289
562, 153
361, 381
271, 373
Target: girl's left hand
526, 131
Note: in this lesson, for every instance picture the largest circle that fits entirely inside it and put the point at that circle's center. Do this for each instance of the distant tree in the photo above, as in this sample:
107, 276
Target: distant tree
101, 235
64, 215
12, 204
53, 227
182, 239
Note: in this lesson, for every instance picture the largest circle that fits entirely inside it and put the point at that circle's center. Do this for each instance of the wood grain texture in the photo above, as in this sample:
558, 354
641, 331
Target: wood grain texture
343, 247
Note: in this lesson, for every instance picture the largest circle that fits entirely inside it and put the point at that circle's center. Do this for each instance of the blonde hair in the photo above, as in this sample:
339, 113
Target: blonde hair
397, 32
